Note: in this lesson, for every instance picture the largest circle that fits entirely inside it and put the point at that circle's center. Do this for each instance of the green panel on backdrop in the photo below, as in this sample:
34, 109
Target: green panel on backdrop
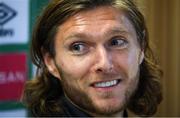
10, 105
35, 8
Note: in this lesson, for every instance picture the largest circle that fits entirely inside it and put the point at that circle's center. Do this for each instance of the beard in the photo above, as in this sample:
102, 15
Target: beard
83, 101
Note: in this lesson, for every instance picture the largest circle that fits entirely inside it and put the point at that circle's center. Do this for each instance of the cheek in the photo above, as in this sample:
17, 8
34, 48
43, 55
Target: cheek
133, 59
128, 64
77, 67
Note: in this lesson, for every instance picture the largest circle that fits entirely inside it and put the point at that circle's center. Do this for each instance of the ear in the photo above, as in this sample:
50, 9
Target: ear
141, 57
51, 66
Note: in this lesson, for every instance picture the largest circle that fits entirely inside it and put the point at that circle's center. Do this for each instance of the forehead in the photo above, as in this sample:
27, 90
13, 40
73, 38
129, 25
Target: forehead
106, 17
99, 13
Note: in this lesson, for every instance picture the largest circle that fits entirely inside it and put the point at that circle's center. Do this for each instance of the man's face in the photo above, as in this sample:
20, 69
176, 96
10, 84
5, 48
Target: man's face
97, 60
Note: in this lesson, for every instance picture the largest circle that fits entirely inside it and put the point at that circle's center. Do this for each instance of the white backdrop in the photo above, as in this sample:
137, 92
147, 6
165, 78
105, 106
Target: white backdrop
16, 28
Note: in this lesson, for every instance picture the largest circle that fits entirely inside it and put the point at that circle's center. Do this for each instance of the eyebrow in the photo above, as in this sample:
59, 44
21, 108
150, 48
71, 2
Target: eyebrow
111, 31
116, 30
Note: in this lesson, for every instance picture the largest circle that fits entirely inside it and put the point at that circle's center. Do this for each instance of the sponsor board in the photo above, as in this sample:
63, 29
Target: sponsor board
13, 74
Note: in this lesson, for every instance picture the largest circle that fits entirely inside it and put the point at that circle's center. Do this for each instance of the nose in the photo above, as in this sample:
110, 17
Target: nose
103, 63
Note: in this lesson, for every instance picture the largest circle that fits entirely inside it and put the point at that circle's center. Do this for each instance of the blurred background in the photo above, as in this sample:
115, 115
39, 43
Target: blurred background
163, 20
16, 22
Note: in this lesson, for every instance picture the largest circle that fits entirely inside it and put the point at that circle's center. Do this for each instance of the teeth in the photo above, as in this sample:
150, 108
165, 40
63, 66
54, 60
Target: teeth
107, 84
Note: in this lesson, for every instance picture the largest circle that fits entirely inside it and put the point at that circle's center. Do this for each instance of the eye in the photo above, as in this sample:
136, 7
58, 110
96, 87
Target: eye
78, 48
118, 42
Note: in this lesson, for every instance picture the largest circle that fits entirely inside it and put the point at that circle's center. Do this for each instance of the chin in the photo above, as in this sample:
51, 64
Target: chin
109, 107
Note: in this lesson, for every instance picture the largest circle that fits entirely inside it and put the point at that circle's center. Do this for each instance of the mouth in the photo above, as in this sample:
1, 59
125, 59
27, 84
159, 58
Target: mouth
106, 84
